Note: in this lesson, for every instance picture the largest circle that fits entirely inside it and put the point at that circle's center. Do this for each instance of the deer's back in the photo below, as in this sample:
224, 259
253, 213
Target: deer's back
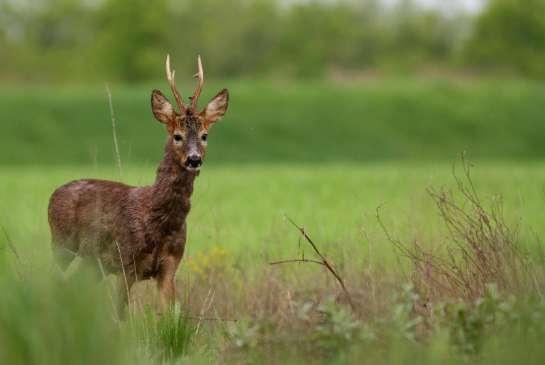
87, 216
87, 203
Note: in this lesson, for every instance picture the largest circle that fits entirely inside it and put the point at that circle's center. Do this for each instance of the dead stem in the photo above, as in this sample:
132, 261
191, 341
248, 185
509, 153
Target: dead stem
323, 261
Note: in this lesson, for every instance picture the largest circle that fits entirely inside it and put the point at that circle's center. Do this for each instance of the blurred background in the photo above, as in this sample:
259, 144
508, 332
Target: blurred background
351, 80
95, 40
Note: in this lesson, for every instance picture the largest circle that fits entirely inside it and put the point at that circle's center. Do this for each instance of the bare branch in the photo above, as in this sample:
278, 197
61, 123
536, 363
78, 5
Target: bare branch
485, 246
302, 260
200, 318
323, 261
114, 133
9, 243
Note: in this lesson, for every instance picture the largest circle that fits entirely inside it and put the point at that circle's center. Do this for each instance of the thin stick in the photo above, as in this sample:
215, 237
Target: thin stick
302, 260
323, 261
10, 243
200, 318
104, 276
11, 246
205, 307
114, 133
124, 277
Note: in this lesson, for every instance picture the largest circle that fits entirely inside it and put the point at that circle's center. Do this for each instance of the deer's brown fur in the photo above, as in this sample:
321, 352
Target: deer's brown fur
138, 232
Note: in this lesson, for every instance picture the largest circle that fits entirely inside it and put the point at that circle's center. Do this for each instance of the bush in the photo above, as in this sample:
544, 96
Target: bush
510, 35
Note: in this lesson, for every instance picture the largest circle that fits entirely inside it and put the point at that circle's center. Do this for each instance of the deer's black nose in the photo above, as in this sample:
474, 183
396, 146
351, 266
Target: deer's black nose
194, 161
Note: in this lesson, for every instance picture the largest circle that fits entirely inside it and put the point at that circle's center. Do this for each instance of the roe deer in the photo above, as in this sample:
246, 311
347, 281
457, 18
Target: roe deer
139, 232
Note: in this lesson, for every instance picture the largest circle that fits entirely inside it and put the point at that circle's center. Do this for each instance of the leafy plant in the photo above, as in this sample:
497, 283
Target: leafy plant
243, 333
338, 327
168, 334
404, 319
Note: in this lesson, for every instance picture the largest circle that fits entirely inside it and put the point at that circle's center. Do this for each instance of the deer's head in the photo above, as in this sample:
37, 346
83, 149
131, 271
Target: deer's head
188, 127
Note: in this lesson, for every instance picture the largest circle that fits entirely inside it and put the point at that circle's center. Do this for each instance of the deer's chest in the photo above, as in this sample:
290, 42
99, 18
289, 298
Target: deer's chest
169, 243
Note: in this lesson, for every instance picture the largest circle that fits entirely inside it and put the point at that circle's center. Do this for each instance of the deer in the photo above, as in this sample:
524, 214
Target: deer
139, 233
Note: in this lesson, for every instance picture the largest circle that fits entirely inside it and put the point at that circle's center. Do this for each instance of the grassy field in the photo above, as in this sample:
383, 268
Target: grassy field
327, 156
430, 120
242, 208
235, 229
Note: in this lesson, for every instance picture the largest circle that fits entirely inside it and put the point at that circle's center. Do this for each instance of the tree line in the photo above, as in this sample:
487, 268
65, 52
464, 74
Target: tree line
70, 40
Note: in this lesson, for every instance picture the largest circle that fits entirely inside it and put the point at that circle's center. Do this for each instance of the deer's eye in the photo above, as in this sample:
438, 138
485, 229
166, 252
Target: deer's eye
204, 137
177, 137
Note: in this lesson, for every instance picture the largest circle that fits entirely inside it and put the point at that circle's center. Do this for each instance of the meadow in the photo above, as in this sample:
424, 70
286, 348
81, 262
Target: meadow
428, 119
329, 156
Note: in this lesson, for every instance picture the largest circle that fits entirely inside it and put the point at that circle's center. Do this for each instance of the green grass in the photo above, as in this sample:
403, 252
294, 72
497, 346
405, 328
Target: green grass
44, 320
242, 209
284, 122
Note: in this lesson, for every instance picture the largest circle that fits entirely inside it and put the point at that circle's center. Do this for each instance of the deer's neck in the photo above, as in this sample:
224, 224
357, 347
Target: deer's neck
171, 192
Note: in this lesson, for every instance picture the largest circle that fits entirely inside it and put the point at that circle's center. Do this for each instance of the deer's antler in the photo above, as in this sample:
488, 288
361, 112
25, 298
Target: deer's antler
172, 82
200, 77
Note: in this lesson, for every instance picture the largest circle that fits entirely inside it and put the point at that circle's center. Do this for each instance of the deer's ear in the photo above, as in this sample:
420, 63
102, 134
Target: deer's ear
216, 108
161, 107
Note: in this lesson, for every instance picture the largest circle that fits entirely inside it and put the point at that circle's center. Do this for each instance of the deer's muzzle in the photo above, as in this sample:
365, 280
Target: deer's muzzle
193, 161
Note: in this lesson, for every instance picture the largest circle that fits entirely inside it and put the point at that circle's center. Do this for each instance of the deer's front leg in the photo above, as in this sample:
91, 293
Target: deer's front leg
166, 282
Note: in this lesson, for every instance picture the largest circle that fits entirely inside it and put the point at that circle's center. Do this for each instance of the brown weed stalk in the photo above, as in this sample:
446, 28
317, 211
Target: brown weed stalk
322, 260
481, 247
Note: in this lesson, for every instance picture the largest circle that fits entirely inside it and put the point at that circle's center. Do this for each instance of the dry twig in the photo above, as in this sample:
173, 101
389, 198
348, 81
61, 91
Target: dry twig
114, 133
481, 248
9, 243
322, 261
